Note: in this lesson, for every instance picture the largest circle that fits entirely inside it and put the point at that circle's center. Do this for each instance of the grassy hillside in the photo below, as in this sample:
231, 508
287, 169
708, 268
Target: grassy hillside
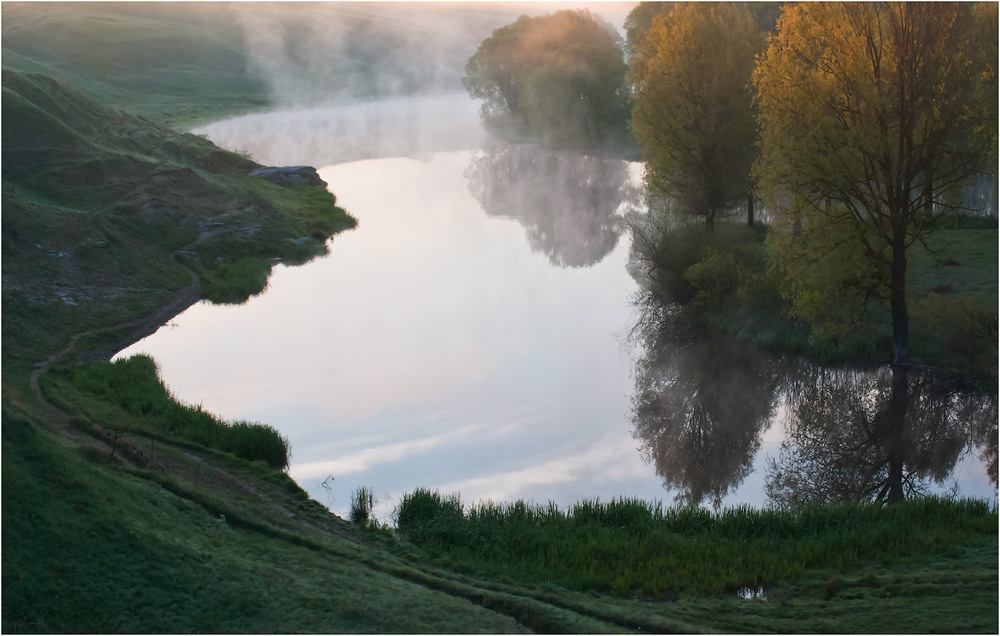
173, 63
107, 216
124, 511
180, 63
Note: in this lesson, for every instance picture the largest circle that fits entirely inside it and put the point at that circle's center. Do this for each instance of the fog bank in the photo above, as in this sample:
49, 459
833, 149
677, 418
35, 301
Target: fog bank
320, 136
320, 53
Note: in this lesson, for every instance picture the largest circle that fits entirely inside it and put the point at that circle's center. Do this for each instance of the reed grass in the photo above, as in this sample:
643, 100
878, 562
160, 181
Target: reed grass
134, 385
630, 546
362, 502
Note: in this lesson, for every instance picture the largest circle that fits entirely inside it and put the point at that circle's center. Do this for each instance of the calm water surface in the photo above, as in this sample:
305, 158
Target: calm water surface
468, 336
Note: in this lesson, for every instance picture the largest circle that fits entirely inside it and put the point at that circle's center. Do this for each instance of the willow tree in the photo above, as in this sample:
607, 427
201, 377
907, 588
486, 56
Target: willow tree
692, 111
868, 120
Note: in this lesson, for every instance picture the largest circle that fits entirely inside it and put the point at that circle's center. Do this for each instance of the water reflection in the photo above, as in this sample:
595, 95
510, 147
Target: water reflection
567, 202
836, 445
701, 403
699, 407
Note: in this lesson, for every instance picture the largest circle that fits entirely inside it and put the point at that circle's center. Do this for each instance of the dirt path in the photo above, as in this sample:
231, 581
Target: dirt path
132, 331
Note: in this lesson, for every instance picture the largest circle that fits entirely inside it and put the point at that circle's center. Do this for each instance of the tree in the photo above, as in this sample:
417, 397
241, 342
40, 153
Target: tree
558, 79
640, 19
868, 120
692, 112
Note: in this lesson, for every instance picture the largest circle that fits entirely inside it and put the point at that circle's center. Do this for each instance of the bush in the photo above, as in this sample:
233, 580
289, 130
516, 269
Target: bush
711, 269
234, 283
255, 441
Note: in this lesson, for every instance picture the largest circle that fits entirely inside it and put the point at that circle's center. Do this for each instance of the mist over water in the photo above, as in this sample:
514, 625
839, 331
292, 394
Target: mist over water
470, 335
315, 53
322, 135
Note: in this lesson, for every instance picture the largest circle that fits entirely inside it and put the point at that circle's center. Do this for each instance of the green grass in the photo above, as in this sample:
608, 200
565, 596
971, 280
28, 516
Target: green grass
133, 385
124, 511
632, 547
106, 550
124, 210
174, 65
906, 597
723, 281
362, 502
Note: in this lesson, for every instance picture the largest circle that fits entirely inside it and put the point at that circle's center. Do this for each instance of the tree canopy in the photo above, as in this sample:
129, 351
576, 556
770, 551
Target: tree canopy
869, 121
640, 18
692, 113
558, 79
870, 117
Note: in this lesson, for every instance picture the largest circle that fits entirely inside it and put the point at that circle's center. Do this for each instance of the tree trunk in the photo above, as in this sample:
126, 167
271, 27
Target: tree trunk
897, 422
750, 210
900, 365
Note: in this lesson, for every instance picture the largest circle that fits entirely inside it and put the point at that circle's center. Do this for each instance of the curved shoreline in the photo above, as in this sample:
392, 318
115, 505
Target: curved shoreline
137, 329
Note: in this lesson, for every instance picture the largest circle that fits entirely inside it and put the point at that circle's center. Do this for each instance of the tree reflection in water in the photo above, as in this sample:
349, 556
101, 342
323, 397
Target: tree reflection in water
701, 402
567, 202
699, 406
837, 429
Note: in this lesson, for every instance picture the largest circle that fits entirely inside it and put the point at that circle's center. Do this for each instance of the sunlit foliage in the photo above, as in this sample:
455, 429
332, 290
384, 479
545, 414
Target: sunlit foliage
692, 113
868, 119
640, 18
558, 79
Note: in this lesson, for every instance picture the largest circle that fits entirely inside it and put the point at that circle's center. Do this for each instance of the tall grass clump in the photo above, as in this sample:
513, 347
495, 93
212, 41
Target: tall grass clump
134, 385
233, 283
629, 546
362, 503
432, 521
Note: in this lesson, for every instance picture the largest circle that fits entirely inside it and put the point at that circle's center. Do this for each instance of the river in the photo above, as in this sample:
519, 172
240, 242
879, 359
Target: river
472, 334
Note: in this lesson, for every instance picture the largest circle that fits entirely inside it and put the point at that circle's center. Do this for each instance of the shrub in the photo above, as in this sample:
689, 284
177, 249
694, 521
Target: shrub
256, 441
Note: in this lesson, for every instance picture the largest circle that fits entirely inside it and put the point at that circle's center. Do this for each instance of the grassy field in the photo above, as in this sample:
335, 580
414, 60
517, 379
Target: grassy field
175, 64
112, 526
124, 511
951, 291
632, 547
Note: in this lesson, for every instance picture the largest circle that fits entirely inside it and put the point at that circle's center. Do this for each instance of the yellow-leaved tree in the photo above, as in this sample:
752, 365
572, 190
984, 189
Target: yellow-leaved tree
692, 111
871, 119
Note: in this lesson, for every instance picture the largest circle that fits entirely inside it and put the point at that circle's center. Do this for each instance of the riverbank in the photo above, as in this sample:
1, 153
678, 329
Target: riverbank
723, 281
115, 522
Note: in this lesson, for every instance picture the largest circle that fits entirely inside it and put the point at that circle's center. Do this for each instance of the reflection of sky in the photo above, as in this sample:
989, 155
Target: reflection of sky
433, 348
